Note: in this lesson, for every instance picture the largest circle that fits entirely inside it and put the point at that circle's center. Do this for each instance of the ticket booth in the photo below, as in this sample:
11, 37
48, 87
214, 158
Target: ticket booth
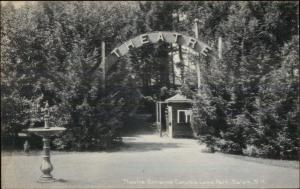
174, 116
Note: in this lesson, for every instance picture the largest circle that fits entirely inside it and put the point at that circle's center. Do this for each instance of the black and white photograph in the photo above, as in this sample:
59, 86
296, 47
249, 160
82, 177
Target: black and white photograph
149, 94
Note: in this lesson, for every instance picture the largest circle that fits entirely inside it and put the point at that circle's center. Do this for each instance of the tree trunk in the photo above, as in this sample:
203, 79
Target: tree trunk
182, 63
173, 70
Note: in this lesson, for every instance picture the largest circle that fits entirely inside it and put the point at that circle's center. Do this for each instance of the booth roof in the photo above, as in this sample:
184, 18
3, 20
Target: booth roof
178, 98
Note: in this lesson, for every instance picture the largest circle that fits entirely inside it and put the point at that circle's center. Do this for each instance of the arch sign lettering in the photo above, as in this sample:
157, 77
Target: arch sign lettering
155, 37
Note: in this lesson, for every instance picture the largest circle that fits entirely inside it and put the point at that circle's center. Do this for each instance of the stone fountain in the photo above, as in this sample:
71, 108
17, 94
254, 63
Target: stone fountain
46, 132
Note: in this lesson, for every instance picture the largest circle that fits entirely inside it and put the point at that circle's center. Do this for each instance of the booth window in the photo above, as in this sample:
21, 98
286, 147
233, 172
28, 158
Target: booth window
183, 116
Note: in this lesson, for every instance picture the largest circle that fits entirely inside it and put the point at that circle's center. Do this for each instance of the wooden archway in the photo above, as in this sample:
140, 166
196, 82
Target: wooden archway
153, 37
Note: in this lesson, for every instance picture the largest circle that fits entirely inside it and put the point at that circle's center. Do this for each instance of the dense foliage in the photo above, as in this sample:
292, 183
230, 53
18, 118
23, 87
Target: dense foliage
51, 52
248, 101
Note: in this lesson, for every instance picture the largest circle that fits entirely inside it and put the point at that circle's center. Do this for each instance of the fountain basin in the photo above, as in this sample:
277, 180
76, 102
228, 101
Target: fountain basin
52, 131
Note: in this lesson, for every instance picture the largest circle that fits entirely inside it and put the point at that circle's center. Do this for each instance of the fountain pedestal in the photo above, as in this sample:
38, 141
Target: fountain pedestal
46, 166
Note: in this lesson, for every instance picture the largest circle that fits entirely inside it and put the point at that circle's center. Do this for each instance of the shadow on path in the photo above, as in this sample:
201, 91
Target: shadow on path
147, 146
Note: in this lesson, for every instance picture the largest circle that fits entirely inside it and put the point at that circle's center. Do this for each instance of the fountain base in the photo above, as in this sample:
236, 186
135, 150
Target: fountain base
46, 179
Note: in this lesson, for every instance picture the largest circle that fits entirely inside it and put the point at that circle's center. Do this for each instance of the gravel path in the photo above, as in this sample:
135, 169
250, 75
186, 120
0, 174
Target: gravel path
147, 161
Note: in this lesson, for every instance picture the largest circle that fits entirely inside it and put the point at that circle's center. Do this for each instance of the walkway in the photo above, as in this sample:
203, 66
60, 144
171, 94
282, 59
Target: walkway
148, 161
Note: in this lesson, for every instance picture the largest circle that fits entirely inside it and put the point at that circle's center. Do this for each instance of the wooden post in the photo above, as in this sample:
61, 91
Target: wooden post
220, 47
157, 121
103, 65
160, 122
196, 29
156, 111
198, 75
173, 69
197, 64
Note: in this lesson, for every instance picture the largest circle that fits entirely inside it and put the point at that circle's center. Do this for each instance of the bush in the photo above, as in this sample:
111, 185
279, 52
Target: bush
252, 150
105, 141
229, 147
210, 142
